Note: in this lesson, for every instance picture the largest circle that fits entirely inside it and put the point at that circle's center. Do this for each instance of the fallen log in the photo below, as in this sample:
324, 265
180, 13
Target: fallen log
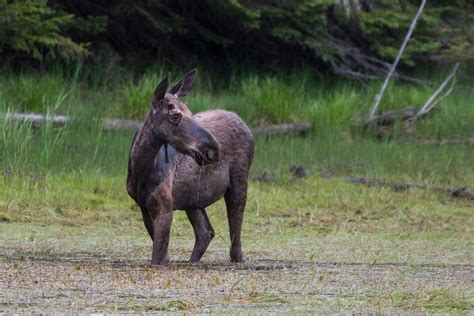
300, 129
441, 142
117, 124
458, 192
36, 120
388, 117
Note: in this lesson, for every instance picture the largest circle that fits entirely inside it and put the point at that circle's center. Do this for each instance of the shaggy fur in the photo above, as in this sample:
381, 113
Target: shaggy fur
222, 145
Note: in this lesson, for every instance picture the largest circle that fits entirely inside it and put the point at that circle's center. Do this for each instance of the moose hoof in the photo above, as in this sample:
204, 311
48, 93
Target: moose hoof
161, 262
236, 256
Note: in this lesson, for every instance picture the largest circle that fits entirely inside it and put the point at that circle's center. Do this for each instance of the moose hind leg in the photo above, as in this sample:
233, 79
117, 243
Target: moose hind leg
203, 232
235, 199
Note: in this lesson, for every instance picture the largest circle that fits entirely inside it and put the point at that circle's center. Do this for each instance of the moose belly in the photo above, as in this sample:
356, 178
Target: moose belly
200, 189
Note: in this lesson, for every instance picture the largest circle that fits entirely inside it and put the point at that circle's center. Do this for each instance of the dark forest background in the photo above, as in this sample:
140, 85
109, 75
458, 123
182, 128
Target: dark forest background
355, 38
318, 62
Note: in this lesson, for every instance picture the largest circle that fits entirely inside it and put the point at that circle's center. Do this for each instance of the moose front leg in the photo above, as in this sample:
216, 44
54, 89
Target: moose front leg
148, 222
161, 236
161, 210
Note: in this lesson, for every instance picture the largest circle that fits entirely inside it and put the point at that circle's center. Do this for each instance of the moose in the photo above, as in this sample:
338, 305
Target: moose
180, 161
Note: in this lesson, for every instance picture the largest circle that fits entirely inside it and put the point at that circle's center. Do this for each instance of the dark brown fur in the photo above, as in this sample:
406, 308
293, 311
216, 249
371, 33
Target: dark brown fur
222, 145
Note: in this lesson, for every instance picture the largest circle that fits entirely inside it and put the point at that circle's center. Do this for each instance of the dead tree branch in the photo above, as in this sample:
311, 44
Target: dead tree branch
409, 115
430, 103
378, 97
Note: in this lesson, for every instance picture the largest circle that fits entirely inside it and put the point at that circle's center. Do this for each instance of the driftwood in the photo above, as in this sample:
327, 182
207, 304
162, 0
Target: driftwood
116, 124
388, 117
301, 129
458, 192
36, 120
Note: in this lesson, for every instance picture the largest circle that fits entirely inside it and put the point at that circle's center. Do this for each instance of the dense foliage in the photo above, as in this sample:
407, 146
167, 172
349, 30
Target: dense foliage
348, 35
32, 28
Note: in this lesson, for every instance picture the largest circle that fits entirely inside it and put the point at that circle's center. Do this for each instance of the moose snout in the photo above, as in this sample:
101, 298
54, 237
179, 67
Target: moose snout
206, 148
209, 150
212, 155
206, 155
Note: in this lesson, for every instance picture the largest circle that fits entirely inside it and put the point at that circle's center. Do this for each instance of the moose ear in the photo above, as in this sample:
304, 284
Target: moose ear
185, 84
160, 91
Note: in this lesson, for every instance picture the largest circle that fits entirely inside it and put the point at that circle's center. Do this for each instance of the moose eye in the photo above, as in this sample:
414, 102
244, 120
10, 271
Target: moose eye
175, 117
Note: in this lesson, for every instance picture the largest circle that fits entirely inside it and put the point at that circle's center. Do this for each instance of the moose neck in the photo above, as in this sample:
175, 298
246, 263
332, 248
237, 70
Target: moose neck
145, 148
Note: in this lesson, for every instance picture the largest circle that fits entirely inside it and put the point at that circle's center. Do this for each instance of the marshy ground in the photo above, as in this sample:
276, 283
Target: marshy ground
311, 245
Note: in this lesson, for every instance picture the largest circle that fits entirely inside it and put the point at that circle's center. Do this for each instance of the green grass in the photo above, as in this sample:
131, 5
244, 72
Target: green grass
170, 306
335, 144
89, 149
62, 190
371, 249
38, 93
332, 105
434, 300
313, 205
314, 245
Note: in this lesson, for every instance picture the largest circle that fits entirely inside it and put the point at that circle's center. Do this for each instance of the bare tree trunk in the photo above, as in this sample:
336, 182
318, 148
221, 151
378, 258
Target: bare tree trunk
378, 97
350, 7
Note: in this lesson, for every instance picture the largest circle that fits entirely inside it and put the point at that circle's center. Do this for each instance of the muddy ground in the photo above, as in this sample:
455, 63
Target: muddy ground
43, 273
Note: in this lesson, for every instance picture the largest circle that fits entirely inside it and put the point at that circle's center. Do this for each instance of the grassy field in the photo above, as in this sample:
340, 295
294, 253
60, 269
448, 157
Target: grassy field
71, 239
320, 245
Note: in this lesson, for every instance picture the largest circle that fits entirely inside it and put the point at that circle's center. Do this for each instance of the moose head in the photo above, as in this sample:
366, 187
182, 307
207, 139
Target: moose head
173, 123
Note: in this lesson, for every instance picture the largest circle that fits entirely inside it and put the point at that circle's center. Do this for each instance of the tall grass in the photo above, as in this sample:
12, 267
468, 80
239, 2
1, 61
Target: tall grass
335, 143
331, 105
368, 158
